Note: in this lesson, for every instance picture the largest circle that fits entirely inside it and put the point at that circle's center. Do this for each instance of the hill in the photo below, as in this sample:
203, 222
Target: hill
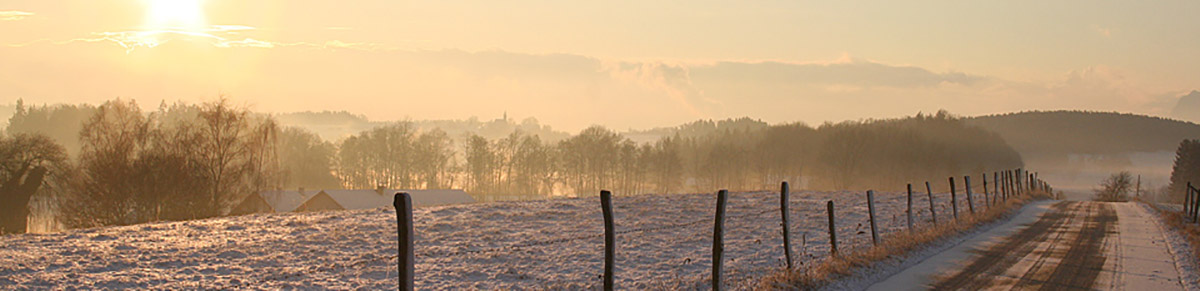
1079, 147
1082, 132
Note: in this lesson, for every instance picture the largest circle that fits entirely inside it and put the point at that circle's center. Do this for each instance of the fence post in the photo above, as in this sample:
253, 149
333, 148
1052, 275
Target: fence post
871, 215
404, 229
1195, 194
953, 198
1015, 188
783, 212
610, 239
1192, 207
995, 187
1187, 201
986, 201
832, 229
932, 210
1039, 179
970, 203
1008, 190
910, 210
1017, 182
1187, 193
1195, 207
1020, 174
1195, 201
718, 247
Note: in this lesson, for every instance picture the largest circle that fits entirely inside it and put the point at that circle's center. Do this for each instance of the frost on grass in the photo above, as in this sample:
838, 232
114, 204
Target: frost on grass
665, 242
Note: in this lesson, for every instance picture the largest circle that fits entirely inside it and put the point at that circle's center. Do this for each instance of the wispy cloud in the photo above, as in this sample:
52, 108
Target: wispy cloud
13, 15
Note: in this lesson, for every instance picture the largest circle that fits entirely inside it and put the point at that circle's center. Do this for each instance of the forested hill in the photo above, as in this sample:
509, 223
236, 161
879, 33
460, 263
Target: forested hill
1100, 133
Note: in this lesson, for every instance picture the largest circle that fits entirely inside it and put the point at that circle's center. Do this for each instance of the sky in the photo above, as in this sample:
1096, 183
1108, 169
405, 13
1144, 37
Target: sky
621, 64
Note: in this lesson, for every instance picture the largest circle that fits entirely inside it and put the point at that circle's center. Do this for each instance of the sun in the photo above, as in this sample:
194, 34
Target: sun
175, 14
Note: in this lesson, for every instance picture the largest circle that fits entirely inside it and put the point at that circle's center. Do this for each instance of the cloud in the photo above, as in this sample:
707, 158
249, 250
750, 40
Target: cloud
851, 73
673, 80
570, 91
12, 15
248, 42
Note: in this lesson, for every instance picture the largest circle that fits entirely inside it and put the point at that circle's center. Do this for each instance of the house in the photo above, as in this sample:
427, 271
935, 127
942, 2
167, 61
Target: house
271, 201
367, 199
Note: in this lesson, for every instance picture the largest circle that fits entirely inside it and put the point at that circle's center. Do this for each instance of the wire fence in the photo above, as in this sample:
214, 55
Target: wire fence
852, 226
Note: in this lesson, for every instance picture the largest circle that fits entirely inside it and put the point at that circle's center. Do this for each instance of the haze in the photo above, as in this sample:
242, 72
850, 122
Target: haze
636, 64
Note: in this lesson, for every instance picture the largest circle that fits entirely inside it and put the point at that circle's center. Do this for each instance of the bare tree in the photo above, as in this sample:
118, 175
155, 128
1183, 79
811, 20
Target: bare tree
236, 153
1115, 188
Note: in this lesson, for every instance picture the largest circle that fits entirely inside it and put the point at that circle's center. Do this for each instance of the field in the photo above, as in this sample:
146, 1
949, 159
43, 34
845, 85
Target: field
664, 242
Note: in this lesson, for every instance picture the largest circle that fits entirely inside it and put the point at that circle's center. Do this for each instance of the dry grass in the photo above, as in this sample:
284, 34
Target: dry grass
845, 264
1178, 221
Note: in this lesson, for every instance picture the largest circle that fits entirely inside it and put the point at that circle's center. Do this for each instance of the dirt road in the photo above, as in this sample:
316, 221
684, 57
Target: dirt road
1054, 245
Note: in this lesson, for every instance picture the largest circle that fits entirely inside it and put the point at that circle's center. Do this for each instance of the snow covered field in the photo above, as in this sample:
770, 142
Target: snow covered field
665, 242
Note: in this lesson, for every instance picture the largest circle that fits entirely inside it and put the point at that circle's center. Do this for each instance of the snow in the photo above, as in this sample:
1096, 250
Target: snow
1136, 258
665, 242
1178, 246
912, 269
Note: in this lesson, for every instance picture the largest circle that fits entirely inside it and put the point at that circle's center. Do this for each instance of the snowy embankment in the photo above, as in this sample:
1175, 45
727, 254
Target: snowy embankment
664, 242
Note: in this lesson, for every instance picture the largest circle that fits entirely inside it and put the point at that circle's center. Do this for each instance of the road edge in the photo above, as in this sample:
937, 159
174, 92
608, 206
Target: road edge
882, 270
1179, 248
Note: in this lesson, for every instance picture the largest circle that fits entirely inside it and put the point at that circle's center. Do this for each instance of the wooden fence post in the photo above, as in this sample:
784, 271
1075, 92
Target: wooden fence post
871, 215
718, 247
404, 230
610, 239
1187, 201
1195, 195
1017, 182
986, 201
1015, 188
1039, 179
953, 198
1195, 201
1196, 206
832, 229
995, 187
970, 203
932, 210
1186, 197
1008, 189
1020, 177
783, 212
910, 210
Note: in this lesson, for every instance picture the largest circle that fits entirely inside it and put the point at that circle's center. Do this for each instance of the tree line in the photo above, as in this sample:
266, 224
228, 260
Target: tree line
194, 161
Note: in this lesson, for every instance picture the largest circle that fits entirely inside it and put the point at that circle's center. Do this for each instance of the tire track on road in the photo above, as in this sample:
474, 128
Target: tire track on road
1086, 252
1034, 275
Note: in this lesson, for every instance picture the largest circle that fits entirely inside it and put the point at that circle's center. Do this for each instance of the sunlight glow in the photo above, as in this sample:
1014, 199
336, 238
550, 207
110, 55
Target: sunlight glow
175, 14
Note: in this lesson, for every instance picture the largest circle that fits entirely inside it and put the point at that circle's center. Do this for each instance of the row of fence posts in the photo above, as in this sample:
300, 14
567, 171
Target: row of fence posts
1191, 203
1005, 184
